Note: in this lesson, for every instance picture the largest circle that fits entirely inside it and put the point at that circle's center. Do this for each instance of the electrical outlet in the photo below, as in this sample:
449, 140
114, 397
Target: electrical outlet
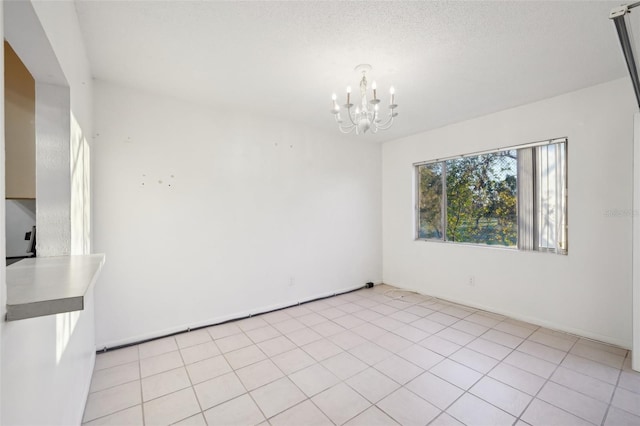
471, 282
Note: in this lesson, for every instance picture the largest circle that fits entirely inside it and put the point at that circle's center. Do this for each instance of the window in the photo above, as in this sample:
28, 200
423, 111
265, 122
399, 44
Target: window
509, 198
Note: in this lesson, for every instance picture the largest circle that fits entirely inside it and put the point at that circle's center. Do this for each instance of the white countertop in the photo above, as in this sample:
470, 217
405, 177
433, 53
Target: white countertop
50, 285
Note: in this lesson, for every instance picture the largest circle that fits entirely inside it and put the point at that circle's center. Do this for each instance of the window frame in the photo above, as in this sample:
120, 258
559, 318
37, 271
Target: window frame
416, 210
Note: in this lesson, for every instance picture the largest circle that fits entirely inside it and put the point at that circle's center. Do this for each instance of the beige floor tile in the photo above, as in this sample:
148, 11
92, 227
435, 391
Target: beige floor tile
369, 331
289, 326
372, 384
347, 339
348, 321
599, 355
192, 338
251, 323
428, 326
311, 319
340, 403
276, 346
471, 410
411, 333
111, 400
517, 378
113, 376
160, 363
531, 364
407, 408
564, 342
367, 315
223, 330
164, 383
303, 336
372, 416
420, 311
420, 356
208, 369
470, 327
618, 417
241, 411
314, 379
516, 330
387, 323
327, 328
305, 413
199, 352
502, 338
486, 347
131, 417
541, 351
171, 408
258, 374
292, 361
540, 413
603, 346
261, 334
576, 403
322, 349
370, 353
459, 337
233, 342
439, 345
472, 359
392, 342
443, 318
445, 419
157, 347
218, 390
197, 420
276, 316
626, 400
630, 380
579, 382
435, 390
591, 368
404, 316
483, 318
116, 357
277, 396
398, 369
344, 365
298, 311
245, 356
456, 374
502, 396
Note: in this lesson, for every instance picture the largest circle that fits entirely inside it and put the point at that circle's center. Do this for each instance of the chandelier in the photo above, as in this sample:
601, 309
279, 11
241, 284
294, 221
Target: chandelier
367, 115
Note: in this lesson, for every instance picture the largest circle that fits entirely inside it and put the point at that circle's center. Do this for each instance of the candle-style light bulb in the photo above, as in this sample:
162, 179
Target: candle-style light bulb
334, 97
348, 95
393, 93
374, 87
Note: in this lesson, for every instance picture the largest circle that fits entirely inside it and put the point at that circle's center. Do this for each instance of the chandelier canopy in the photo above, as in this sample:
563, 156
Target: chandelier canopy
367, 115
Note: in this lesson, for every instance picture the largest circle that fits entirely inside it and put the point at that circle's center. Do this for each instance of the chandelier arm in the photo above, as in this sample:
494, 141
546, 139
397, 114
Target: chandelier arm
387, 124
346, 130
350, 117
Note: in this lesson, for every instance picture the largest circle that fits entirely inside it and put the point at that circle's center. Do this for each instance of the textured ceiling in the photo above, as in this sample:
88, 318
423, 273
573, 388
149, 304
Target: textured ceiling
449, 61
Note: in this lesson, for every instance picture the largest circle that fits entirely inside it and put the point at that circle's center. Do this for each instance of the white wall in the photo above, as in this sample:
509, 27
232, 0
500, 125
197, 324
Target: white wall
207, 215
47, 362
587, 292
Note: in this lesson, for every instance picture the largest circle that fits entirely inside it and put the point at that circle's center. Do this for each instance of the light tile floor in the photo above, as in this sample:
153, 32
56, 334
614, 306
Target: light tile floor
378, 356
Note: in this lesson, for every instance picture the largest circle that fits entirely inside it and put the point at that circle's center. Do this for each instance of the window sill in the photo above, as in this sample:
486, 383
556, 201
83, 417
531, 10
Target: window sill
50, 285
